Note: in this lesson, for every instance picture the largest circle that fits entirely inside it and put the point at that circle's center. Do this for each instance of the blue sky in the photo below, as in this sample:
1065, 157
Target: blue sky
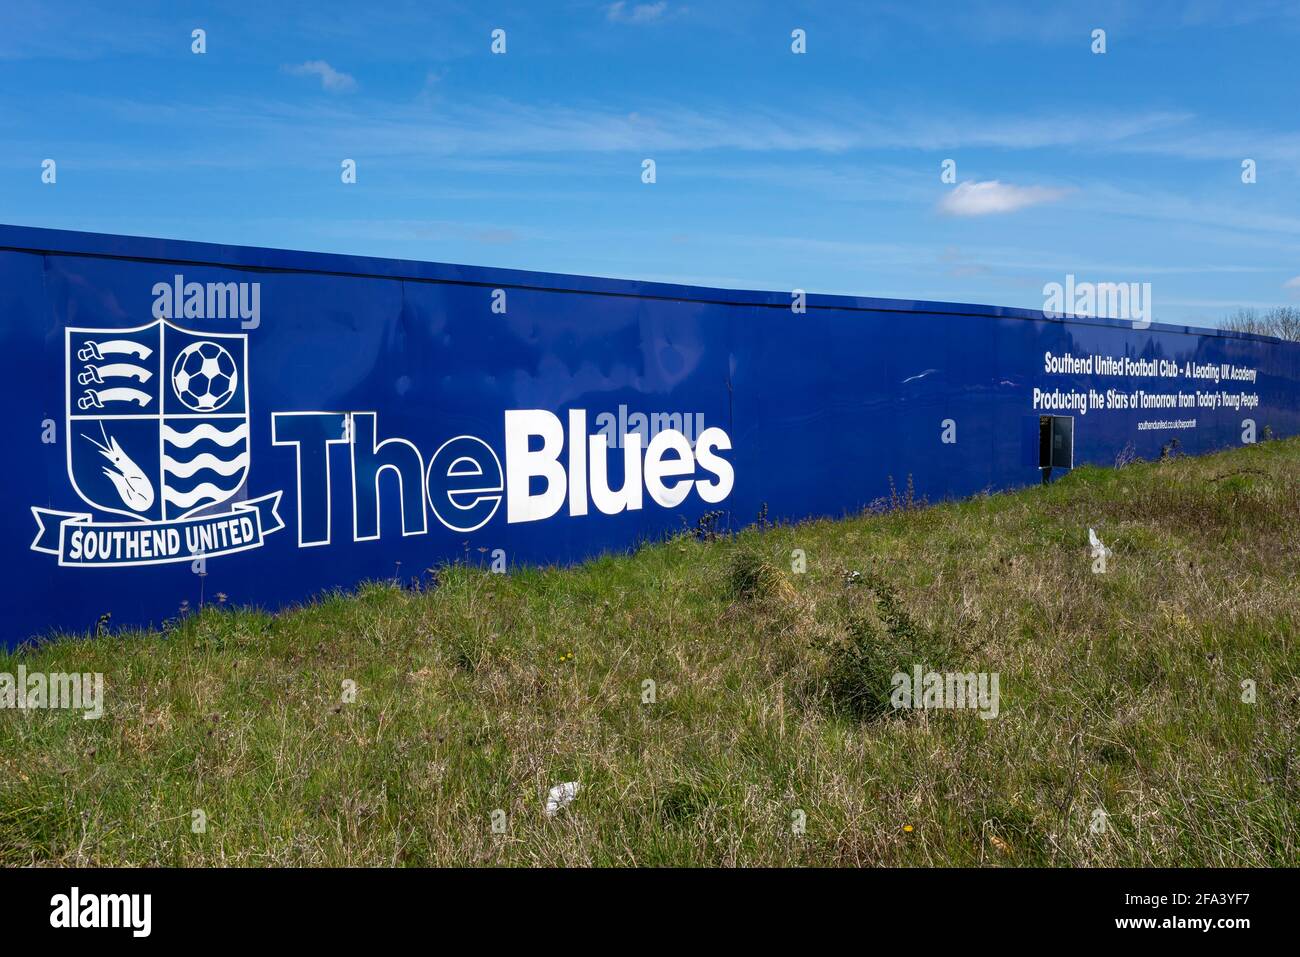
774, 170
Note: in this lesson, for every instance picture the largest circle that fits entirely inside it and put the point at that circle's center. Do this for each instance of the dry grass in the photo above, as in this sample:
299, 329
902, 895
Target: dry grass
1118, 691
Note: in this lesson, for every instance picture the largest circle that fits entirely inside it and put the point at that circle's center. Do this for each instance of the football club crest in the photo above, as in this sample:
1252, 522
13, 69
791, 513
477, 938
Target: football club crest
157, 438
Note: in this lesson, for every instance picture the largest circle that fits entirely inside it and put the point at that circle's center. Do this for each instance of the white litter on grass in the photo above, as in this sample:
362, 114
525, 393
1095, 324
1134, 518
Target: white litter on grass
1098, 548
561, 795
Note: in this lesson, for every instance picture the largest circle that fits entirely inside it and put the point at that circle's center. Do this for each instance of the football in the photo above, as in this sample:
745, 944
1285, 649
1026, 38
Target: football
204, 376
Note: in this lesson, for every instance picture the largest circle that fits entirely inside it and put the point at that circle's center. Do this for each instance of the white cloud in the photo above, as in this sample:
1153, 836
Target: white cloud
330, 79
1292, 283
638, 13
992, 197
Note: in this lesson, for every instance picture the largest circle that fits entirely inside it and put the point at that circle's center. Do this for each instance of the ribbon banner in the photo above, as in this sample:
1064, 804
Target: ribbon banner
79, 540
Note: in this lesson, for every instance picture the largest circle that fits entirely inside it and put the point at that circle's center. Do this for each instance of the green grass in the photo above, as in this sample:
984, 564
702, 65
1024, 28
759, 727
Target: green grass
1119, 691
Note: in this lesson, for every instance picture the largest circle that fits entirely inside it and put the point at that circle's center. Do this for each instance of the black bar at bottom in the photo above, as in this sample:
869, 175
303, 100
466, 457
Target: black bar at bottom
546, 907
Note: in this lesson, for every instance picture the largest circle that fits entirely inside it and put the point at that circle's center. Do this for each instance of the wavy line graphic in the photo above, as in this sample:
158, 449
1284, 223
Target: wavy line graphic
184, 440
196, 494
205, 461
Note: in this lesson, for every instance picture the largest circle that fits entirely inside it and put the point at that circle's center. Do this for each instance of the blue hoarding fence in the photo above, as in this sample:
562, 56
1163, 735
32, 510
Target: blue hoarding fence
191, 419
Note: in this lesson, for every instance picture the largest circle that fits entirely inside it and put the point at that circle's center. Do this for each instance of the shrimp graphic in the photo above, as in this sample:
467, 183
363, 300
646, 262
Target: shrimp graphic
132, 484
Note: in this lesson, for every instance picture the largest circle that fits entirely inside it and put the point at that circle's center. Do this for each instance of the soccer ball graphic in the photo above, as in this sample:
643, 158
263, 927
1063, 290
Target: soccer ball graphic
204, 376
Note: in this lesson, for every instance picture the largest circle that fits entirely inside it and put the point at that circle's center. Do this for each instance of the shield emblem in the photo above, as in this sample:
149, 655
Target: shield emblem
157, 419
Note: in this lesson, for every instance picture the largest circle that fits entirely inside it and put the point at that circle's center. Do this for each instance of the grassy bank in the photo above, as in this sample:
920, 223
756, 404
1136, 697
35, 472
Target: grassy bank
1120, 696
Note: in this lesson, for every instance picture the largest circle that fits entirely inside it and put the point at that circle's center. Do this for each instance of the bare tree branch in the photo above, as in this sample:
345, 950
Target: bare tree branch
1283, 322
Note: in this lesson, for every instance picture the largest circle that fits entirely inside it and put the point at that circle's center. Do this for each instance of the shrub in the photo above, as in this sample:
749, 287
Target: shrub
753, 577
881, 641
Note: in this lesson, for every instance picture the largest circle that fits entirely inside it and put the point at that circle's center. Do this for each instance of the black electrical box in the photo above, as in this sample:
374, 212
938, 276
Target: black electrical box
1056, 441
